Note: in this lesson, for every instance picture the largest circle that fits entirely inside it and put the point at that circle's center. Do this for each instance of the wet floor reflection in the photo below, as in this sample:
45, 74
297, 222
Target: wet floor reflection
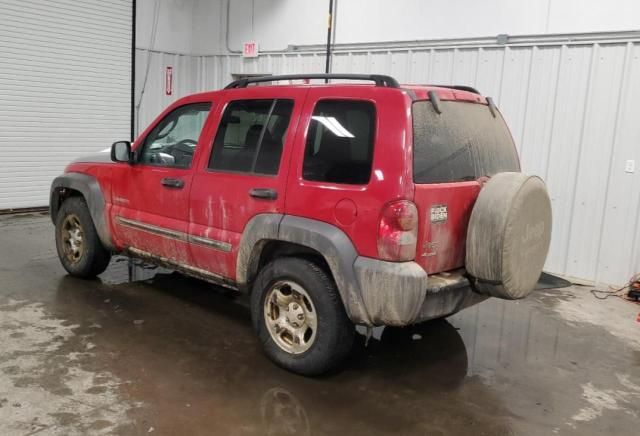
188, 356
448, 376
125, 269
198, 340
283, 414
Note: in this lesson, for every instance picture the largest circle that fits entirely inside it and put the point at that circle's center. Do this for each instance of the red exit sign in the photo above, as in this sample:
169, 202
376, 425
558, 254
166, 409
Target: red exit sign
250, 50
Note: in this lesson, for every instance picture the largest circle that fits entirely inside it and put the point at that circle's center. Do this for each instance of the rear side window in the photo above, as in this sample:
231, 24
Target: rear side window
464, 142
251, 136
339, 146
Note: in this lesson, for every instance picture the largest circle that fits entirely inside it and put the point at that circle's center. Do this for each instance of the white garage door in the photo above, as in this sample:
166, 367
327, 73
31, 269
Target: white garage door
65, 89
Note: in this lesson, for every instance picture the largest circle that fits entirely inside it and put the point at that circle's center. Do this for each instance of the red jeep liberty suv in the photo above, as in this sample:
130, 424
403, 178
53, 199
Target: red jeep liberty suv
332, 204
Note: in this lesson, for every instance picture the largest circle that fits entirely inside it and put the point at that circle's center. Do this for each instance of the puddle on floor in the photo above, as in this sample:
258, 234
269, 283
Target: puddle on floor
124, 269
186, 350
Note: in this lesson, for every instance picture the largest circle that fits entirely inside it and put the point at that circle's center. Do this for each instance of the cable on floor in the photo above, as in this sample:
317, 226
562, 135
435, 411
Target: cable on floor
632, 284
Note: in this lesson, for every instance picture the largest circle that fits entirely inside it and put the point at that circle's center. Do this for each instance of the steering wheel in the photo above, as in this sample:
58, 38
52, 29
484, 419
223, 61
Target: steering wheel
182, 151
188, 142
186, 146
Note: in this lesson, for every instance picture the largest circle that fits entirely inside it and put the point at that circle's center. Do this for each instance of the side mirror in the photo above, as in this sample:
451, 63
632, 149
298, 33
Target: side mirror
121, 152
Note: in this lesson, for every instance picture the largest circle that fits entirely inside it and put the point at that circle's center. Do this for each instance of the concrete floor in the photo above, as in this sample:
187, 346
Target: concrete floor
165, 354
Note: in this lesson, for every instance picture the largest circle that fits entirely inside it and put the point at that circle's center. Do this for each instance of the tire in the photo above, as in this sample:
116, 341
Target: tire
82, 255
509, 235
318, 349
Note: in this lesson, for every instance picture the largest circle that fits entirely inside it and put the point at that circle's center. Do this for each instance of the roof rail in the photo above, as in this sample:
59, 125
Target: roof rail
459, 88
380, 80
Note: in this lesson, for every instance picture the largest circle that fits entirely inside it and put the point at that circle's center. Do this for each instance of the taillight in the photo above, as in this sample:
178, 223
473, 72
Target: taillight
398, 231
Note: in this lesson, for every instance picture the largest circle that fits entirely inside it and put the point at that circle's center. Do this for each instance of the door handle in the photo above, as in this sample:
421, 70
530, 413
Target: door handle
263, 193
172, 183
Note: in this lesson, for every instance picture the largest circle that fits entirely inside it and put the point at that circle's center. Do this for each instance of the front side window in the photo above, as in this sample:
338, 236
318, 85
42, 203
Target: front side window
251, 136
339, 146
173, 141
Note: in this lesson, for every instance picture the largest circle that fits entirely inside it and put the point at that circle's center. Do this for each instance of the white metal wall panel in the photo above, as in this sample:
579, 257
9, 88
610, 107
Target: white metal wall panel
572, 109
151, 94
65, 89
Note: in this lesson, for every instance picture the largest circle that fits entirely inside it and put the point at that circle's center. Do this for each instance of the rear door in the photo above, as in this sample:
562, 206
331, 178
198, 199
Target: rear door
243, 174
453, 151
332, 176
151, 198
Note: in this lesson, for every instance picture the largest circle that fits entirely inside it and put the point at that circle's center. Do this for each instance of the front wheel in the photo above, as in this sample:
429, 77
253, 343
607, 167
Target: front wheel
299, 317
79, 248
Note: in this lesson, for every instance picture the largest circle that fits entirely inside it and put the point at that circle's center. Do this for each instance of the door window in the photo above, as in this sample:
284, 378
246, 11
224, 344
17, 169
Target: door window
251, 136
339, 145
173, 141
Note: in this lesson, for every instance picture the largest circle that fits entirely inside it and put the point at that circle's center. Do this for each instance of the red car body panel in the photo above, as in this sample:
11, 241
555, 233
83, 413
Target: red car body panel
441, 245
215, 205
220, 204
137, 194
356, 208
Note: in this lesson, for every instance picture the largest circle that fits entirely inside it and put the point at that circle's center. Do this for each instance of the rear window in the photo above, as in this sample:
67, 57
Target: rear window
463, 142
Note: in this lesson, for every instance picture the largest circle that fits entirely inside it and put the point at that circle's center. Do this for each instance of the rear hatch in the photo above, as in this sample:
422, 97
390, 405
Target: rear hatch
452, 152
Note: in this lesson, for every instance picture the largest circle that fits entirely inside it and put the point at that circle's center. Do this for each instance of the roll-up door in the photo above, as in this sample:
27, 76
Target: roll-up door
65, 89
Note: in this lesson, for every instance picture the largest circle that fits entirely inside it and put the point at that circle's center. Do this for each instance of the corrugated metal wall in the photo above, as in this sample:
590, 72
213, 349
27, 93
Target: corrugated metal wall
571, 103
65, 89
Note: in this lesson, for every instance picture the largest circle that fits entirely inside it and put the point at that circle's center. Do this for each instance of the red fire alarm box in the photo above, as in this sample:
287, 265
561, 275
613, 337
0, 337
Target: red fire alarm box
168, 81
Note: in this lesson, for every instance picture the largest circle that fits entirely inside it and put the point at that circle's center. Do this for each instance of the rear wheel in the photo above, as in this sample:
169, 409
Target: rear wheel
79, 248
299, 317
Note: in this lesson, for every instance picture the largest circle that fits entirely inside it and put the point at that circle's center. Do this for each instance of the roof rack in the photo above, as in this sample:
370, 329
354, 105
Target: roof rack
380, 80
459, 88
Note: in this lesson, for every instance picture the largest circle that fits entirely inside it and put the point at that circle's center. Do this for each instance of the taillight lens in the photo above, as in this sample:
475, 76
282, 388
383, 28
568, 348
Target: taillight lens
398, 231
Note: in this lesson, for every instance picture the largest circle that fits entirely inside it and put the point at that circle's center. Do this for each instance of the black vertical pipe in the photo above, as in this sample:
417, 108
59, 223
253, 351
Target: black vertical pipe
133, 69
329, 32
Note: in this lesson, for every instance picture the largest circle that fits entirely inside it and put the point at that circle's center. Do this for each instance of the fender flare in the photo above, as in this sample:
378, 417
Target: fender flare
259, 230
332, 243
89, 187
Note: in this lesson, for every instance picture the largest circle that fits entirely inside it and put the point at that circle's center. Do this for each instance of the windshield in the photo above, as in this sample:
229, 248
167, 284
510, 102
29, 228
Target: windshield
464, 142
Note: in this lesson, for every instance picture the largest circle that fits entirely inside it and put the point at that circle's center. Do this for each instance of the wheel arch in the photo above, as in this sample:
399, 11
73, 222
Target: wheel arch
76, 184
274, 248
271, 235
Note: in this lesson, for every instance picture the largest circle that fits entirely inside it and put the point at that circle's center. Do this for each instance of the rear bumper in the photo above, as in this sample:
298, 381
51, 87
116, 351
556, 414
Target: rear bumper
401, 293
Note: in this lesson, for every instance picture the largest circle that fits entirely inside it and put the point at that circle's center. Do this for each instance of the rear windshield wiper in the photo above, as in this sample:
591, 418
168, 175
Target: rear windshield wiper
435, 101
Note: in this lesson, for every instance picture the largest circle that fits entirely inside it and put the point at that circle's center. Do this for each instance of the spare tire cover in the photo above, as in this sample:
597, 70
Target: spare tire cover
508, 236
